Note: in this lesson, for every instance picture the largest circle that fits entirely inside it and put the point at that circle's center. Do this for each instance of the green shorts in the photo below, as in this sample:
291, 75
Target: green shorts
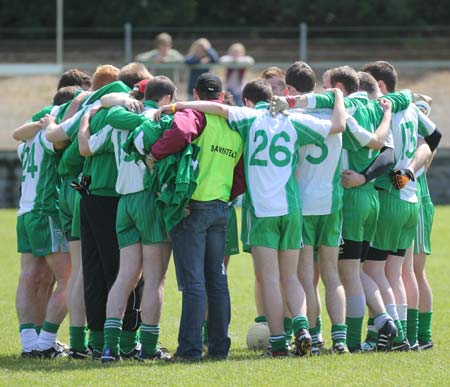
139, 220
360, 210
76, 232
40, 234
422, 239
276, 232
397, 223
231, 242
66, 203
322, 230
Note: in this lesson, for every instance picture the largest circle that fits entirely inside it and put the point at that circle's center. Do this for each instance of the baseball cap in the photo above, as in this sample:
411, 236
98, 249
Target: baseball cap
208, 83
140, 86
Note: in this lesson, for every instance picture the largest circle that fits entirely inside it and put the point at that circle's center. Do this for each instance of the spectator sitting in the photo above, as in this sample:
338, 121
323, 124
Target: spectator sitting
234, 76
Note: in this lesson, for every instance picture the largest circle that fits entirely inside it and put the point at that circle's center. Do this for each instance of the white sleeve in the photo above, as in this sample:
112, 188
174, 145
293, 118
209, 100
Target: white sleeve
389, 139
361, 135
47, 145
98, 142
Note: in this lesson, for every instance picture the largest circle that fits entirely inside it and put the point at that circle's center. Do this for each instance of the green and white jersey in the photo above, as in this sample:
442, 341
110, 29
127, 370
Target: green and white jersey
319, 171
270, 155
39, 177
130, 173
366, 115
71, 125
405, 126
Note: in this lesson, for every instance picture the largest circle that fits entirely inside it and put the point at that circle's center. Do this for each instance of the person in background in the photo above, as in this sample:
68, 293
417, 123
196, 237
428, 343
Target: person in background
163, 53
200, 53
235, 74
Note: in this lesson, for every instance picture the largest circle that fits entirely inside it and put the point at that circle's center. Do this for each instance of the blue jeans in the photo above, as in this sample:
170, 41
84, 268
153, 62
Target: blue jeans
198, 244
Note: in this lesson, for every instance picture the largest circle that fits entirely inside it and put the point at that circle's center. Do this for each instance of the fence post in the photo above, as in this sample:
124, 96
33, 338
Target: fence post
303, 49
128, 49
59, 33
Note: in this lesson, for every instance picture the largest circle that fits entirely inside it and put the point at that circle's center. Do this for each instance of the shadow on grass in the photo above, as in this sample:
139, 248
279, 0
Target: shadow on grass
15, 363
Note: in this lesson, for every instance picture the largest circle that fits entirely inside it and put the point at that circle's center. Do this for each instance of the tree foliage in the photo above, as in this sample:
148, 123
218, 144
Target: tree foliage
150, 13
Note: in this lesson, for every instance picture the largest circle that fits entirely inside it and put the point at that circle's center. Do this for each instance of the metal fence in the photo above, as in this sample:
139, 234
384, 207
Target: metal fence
265, 44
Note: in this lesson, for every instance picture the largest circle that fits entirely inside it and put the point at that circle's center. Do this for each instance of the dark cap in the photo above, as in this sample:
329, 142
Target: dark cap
208, 83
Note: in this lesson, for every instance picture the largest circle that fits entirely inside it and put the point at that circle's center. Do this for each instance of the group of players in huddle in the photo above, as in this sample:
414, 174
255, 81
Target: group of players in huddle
117, 175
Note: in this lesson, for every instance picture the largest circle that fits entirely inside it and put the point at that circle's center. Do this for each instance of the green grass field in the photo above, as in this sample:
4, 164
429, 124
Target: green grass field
244, 367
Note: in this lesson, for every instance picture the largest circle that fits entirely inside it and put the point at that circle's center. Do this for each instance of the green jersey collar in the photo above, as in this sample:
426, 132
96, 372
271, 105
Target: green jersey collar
151, 104
262, 105
359, 94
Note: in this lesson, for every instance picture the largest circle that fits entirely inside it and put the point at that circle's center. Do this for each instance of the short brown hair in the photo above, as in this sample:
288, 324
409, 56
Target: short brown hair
158, 87
368, 83
104, 75
345, 75
132, 73
382, 71
301, 77
257, 91
273, 72
65, 94
278, 85
74, 77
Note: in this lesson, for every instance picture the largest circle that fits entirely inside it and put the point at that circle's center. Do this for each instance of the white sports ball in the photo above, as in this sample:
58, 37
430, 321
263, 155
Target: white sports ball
258, 337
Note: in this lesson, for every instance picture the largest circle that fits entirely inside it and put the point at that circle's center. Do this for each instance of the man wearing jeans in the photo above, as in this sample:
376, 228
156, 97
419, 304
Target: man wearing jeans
199, 240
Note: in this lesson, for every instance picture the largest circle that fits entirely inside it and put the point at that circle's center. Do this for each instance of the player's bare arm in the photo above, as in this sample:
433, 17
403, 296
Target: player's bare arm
339, 115
28, 130
201, 106
379, 136
122, 99
84, 134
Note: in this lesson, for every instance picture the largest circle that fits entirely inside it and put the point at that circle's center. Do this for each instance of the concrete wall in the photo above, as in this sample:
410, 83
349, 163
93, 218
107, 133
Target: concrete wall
10, 178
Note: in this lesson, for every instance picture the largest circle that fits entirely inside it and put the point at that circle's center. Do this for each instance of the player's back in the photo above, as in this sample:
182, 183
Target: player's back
271, 161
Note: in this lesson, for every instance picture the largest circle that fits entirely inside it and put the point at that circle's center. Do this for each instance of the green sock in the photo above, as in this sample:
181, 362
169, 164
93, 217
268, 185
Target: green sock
38, 328
404, 327
299, 323
277, 342
288, 328
412, 325
50, 327
260, 319
149, 338
314, 332
78, 338
339, 334
354, 329
26, 326
372, 334
424, 332
401, 333
97, 339
112, 331
319, 325
128, 341
204, 332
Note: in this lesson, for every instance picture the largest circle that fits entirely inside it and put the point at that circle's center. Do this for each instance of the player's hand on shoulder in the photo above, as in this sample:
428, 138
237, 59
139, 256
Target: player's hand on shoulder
385, 104
133, 105
46, 121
